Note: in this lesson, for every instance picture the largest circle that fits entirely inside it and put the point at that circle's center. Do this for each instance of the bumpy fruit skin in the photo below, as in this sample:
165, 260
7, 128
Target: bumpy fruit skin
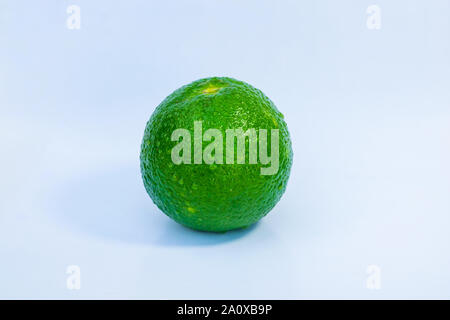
217, 197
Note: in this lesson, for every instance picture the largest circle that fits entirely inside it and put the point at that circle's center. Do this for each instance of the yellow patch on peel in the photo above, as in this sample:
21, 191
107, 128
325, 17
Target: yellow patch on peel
191, 210
210, 90
275, 122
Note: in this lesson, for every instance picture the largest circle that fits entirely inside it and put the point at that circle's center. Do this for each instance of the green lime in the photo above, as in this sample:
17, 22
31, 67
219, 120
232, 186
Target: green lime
216, 155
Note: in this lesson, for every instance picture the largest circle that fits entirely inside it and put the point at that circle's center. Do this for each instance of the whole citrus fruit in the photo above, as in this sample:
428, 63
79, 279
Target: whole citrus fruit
216, 155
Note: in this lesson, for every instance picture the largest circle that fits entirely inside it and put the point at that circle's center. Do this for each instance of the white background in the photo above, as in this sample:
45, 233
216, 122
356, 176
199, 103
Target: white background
369, 116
